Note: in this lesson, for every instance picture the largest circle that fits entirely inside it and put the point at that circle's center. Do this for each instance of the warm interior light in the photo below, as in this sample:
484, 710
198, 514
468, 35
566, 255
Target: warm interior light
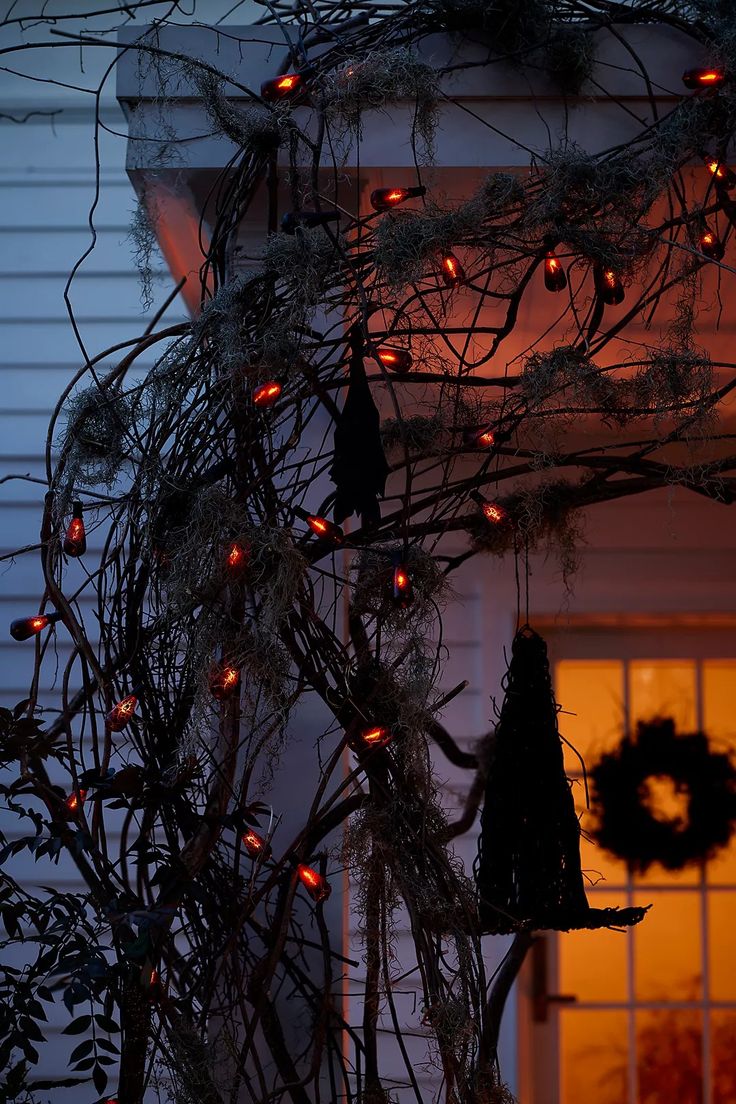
382, 199
267, 393
398, 360
75, 540
324, 528
554, 274
224, 682
316, 886
486, 438
452, 270
121, 714
254, 844
703, 78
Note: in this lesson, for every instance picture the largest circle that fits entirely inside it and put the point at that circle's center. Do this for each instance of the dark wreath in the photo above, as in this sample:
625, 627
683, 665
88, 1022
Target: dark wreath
629, 829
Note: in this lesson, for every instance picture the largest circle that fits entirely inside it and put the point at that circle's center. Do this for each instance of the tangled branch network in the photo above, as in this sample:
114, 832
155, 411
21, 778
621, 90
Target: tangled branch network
271, 503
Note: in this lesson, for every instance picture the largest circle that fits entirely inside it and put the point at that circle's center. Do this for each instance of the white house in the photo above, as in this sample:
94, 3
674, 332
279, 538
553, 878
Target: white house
647, 627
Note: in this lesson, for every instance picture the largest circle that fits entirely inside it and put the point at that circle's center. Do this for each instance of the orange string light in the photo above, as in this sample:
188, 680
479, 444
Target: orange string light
75, 801
23, 628
403, 591
316, 886
398, 360
75, 540
254, 844
703, 78
452, 271
267, 393
287, 87
554, 274
325, 529
224, 682
120, 714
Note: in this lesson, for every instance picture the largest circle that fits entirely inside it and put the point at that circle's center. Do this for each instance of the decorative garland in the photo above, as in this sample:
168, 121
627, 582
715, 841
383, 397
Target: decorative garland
628, 827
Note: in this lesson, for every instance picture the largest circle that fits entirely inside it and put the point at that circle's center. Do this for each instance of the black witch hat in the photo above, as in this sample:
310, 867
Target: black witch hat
528, 869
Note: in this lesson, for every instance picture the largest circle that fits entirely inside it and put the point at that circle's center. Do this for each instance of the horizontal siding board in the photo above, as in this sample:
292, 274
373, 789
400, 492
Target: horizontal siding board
53, 339
92, 294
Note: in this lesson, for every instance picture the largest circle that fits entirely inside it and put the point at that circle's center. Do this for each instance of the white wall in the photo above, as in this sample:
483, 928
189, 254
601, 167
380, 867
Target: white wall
645, 555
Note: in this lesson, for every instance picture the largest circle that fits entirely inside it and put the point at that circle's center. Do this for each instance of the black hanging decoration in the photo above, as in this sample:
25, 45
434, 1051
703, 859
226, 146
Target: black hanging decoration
359, 469
631, 830
528, 869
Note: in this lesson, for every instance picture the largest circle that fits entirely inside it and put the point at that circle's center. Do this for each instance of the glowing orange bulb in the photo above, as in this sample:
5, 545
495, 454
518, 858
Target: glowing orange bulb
554, 274
384, 198
710, 245
121, 714
378, 736
720, 173
316, 886
224, 682
267, 393
23, 628
75, 540
486, 438
75, 801
286, 87
403, 591
703, 78
494, 512
452, 270
236, 559
398, 360
324, 528
608, 285
254, 844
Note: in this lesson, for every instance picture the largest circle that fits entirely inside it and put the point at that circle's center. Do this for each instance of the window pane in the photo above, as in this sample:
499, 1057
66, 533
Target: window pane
722, 945
663, 688
593, 964
669, 1056
594, 1051
723, 1049
719, 721
591, 695
667, 947
719, 683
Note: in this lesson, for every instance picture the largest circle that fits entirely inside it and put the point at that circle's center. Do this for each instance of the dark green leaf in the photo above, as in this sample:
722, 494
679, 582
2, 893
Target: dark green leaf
107, 1023
85, 1047
100, 1078
76, 1027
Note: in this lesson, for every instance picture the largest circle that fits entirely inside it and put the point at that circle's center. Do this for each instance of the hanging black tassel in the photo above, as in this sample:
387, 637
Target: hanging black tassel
359, 469
528, 869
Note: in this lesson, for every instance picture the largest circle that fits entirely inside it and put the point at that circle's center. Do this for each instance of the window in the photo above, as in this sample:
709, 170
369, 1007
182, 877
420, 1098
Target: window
654, 1014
